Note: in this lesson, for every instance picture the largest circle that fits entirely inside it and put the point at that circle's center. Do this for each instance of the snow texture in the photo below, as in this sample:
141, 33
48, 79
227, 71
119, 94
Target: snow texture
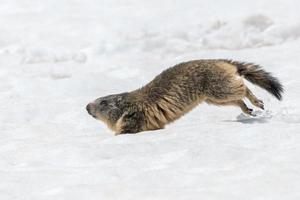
56, 56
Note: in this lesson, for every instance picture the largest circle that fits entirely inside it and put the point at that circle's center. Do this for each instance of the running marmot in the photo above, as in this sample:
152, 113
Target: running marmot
179, 89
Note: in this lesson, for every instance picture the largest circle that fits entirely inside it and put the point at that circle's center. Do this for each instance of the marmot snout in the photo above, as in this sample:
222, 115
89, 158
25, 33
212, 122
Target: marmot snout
179, 89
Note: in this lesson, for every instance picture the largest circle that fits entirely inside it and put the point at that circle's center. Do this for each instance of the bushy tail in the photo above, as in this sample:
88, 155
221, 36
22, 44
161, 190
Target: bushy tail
256, 75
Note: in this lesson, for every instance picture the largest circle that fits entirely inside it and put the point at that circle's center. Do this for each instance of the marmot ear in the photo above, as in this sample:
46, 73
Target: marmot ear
132, 122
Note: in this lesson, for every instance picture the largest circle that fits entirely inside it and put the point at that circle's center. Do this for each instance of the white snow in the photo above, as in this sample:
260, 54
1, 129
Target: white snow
56, 56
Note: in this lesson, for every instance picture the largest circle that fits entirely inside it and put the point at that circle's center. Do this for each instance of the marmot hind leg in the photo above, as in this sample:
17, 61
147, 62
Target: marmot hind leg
240, 103
254, 100
244, 107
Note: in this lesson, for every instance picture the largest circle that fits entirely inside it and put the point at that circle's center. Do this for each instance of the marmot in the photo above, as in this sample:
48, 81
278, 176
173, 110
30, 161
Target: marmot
179, 89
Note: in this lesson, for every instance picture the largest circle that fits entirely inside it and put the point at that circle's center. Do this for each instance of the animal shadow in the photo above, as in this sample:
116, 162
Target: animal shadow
260, 118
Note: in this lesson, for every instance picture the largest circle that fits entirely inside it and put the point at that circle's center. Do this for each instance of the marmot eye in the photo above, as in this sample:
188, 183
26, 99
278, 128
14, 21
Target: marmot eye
103, 103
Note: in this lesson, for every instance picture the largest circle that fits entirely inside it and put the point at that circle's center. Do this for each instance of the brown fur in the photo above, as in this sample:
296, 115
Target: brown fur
178, 90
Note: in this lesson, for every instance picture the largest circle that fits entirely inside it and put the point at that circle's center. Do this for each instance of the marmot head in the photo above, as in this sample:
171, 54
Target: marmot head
109, 108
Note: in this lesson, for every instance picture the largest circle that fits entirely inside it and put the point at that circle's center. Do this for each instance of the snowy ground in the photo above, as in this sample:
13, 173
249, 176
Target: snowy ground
56, 56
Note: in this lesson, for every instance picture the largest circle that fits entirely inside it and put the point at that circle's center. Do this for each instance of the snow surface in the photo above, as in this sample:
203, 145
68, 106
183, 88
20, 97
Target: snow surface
56, 56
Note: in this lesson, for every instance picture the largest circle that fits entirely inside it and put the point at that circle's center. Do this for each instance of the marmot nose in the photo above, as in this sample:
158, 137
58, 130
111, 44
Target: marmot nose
88, 108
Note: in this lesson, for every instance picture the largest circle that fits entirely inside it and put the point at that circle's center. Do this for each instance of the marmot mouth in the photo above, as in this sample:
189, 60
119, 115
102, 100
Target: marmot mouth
89, 110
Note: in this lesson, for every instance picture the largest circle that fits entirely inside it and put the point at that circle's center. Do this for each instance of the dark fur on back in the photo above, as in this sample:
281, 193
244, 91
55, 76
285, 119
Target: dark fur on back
256, 75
